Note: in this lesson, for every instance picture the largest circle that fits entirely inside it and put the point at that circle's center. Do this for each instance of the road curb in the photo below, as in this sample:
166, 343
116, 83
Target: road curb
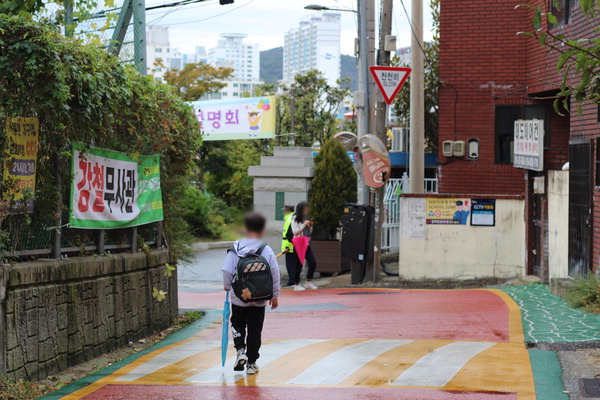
203, 246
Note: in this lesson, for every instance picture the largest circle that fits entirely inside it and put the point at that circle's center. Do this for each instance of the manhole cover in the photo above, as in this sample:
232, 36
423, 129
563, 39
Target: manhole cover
364, 293
590, 387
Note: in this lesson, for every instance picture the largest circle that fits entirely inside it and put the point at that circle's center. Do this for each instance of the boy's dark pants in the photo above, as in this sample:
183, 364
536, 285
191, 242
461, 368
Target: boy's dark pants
250, 319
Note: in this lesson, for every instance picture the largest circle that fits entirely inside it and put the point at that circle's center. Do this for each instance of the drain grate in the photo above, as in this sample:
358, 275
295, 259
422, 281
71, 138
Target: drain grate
364, 293
590, 387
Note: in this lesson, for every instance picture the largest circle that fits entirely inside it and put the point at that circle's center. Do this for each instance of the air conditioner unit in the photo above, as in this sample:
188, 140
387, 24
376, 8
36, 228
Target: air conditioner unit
400, 139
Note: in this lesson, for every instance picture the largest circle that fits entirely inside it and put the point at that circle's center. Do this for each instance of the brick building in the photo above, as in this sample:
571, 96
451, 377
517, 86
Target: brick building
490, 77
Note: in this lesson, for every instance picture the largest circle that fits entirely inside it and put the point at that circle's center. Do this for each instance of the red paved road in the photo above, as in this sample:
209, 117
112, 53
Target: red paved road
120, 392
423, 314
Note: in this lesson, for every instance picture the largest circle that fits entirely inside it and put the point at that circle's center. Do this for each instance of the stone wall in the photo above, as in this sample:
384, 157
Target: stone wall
58, 313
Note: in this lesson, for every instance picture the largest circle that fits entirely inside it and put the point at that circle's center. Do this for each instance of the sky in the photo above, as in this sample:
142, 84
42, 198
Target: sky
264, 21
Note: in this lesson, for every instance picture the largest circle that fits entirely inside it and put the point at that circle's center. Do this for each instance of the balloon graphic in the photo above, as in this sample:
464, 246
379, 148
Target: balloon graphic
266, 107
267, 101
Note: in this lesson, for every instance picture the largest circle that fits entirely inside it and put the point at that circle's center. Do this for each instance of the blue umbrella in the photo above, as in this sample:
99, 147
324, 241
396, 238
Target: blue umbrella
225, 333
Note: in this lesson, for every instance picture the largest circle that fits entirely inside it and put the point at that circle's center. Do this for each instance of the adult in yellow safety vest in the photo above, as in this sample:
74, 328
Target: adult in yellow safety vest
287, 247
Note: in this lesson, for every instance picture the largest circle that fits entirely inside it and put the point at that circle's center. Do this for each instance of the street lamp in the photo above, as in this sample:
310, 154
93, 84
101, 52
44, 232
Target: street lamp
317, 7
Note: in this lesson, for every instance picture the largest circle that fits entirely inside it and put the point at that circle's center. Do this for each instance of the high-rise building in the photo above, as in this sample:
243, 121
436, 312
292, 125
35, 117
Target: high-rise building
232, 52
158, 49
315, 44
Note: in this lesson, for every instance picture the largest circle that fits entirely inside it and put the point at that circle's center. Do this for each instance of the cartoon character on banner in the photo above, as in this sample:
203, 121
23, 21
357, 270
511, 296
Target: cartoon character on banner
254, 117
374, 160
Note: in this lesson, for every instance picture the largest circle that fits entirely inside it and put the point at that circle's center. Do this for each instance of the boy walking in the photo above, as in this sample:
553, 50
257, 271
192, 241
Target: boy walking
247, 317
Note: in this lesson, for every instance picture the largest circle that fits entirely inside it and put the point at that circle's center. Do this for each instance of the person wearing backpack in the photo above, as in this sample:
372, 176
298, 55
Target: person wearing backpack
251, 272
286, 245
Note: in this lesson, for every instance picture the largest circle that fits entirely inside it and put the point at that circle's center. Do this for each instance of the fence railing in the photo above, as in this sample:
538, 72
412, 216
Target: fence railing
390, 236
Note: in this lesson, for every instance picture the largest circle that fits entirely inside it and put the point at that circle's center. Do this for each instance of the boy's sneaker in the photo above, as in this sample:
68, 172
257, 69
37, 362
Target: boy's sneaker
310, 285
240, 360
299, 288
252, 369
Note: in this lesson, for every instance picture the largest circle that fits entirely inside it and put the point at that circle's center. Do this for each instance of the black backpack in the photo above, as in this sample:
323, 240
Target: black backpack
254, 281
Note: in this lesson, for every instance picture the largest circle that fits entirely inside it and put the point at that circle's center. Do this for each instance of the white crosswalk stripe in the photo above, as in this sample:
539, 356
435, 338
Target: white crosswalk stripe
437, 368
168, 357
268, 353
339, 365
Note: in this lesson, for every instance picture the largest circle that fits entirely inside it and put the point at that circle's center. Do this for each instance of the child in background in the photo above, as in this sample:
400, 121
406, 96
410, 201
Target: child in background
287, 247
247, 318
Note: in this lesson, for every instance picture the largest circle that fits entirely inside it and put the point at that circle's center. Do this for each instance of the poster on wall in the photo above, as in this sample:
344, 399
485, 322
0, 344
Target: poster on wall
112, 190
529, 144
448, 211
21, 150
483, 212
245, 118
412, 218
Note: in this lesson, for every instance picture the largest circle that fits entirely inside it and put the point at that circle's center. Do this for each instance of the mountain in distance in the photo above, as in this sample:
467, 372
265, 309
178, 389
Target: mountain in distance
271, 67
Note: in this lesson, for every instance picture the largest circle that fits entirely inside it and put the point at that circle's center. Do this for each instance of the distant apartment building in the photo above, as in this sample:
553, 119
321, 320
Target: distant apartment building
232, 52
158, 49
235, 89
178, 60
315, 44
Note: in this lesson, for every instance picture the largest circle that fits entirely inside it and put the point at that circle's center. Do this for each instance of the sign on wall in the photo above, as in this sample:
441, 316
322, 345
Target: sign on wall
448, 211
529, 144
245, 118
112, 190
483, 212
21, 149
412, 218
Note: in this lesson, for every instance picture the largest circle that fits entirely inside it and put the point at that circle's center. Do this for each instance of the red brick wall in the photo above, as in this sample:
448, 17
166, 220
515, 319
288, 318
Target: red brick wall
483, 63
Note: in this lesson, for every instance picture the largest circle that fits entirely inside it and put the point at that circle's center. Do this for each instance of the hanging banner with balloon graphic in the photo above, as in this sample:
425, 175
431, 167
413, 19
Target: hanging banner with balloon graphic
245, 118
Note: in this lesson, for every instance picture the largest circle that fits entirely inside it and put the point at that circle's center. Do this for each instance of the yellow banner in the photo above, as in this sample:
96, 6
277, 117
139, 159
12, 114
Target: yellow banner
21, 149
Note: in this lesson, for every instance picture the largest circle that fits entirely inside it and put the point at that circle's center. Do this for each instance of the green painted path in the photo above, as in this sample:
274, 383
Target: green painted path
548, 319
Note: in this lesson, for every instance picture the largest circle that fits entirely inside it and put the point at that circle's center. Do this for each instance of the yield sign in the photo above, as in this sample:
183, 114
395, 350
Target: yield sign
390, 80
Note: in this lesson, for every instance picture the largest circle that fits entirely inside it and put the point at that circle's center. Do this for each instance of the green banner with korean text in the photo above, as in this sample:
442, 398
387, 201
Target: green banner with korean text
114, 190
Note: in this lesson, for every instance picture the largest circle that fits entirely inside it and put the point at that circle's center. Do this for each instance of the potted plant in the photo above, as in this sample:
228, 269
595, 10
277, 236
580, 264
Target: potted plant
333, 185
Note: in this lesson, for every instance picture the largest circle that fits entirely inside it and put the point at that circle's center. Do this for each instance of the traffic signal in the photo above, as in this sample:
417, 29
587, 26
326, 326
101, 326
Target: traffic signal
223, 2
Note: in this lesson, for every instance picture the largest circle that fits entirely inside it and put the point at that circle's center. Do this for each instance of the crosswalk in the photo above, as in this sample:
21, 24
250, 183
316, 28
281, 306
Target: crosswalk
338, 362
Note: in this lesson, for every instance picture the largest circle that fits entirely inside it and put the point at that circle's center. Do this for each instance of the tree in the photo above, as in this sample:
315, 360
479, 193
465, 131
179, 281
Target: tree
432, 80
578, 58
195, 80
333, 185
316, 106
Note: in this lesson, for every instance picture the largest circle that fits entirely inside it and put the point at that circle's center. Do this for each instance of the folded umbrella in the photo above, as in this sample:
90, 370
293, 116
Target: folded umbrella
225, 332
300, 246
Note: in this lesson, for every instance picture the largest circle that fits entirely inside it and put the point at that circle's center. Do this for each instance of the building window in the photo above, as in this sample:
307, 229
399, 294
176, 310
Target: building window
158, 50
562, 10
505, 126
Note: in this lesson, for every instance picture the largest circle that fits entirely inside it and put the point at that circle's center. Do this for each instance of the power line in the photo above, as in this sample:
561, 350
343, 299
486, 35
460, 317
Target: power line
213, 16
413, 29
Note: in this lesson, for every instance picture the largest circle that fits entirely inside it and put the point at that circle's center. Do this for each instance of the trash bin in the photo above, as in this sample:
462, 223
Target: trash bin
358, 236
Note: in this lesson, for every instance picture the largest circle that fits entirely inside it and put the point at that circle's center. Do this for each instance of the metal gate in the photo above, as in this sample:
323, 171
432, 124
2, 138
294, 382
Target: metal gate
580, 208
390, 235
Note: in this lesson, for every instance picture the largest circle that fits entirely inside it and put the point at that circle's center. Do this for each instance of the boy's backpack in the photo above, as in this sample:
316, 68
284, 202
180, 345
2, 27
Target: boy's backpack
254, 281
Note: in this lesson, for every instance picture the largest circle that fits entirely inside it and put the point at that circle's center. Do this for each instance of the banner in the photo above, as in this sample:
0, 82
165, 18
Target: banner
21, 158
112, 190
245, 118
447, 211
483, 212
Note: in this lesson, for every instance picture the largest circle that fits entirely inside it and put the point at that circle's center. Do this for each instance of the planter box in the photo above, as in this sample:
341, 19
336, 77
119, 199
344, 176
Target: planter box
329, 256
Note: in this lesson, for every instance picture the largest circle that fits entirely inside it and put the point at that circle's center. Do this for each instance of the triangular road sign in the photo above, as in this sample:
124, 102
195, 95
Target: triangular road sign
390, 80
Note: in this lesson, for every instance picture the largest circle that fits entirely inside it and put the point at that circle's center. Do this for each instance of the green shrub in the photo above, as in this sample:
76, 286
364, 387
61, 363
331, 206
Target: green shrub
333, 185
585, 293
198, 212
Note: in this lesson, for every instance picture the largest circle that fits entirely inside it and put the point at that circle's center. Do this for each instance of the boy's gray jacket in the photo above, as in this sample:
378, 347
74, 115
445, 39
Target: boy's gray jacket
243, 247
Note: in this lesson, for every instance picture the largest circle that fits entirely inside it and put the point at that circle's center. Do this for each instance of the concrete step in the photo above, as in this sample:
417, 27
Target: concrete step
269, 161
293, 152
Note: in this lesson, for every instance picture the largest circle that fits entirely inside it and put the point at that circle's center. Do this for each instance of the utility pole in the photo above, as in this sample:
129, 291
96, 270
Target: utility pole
371, 54
361, 98
383, 59
417, 102
293, 116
